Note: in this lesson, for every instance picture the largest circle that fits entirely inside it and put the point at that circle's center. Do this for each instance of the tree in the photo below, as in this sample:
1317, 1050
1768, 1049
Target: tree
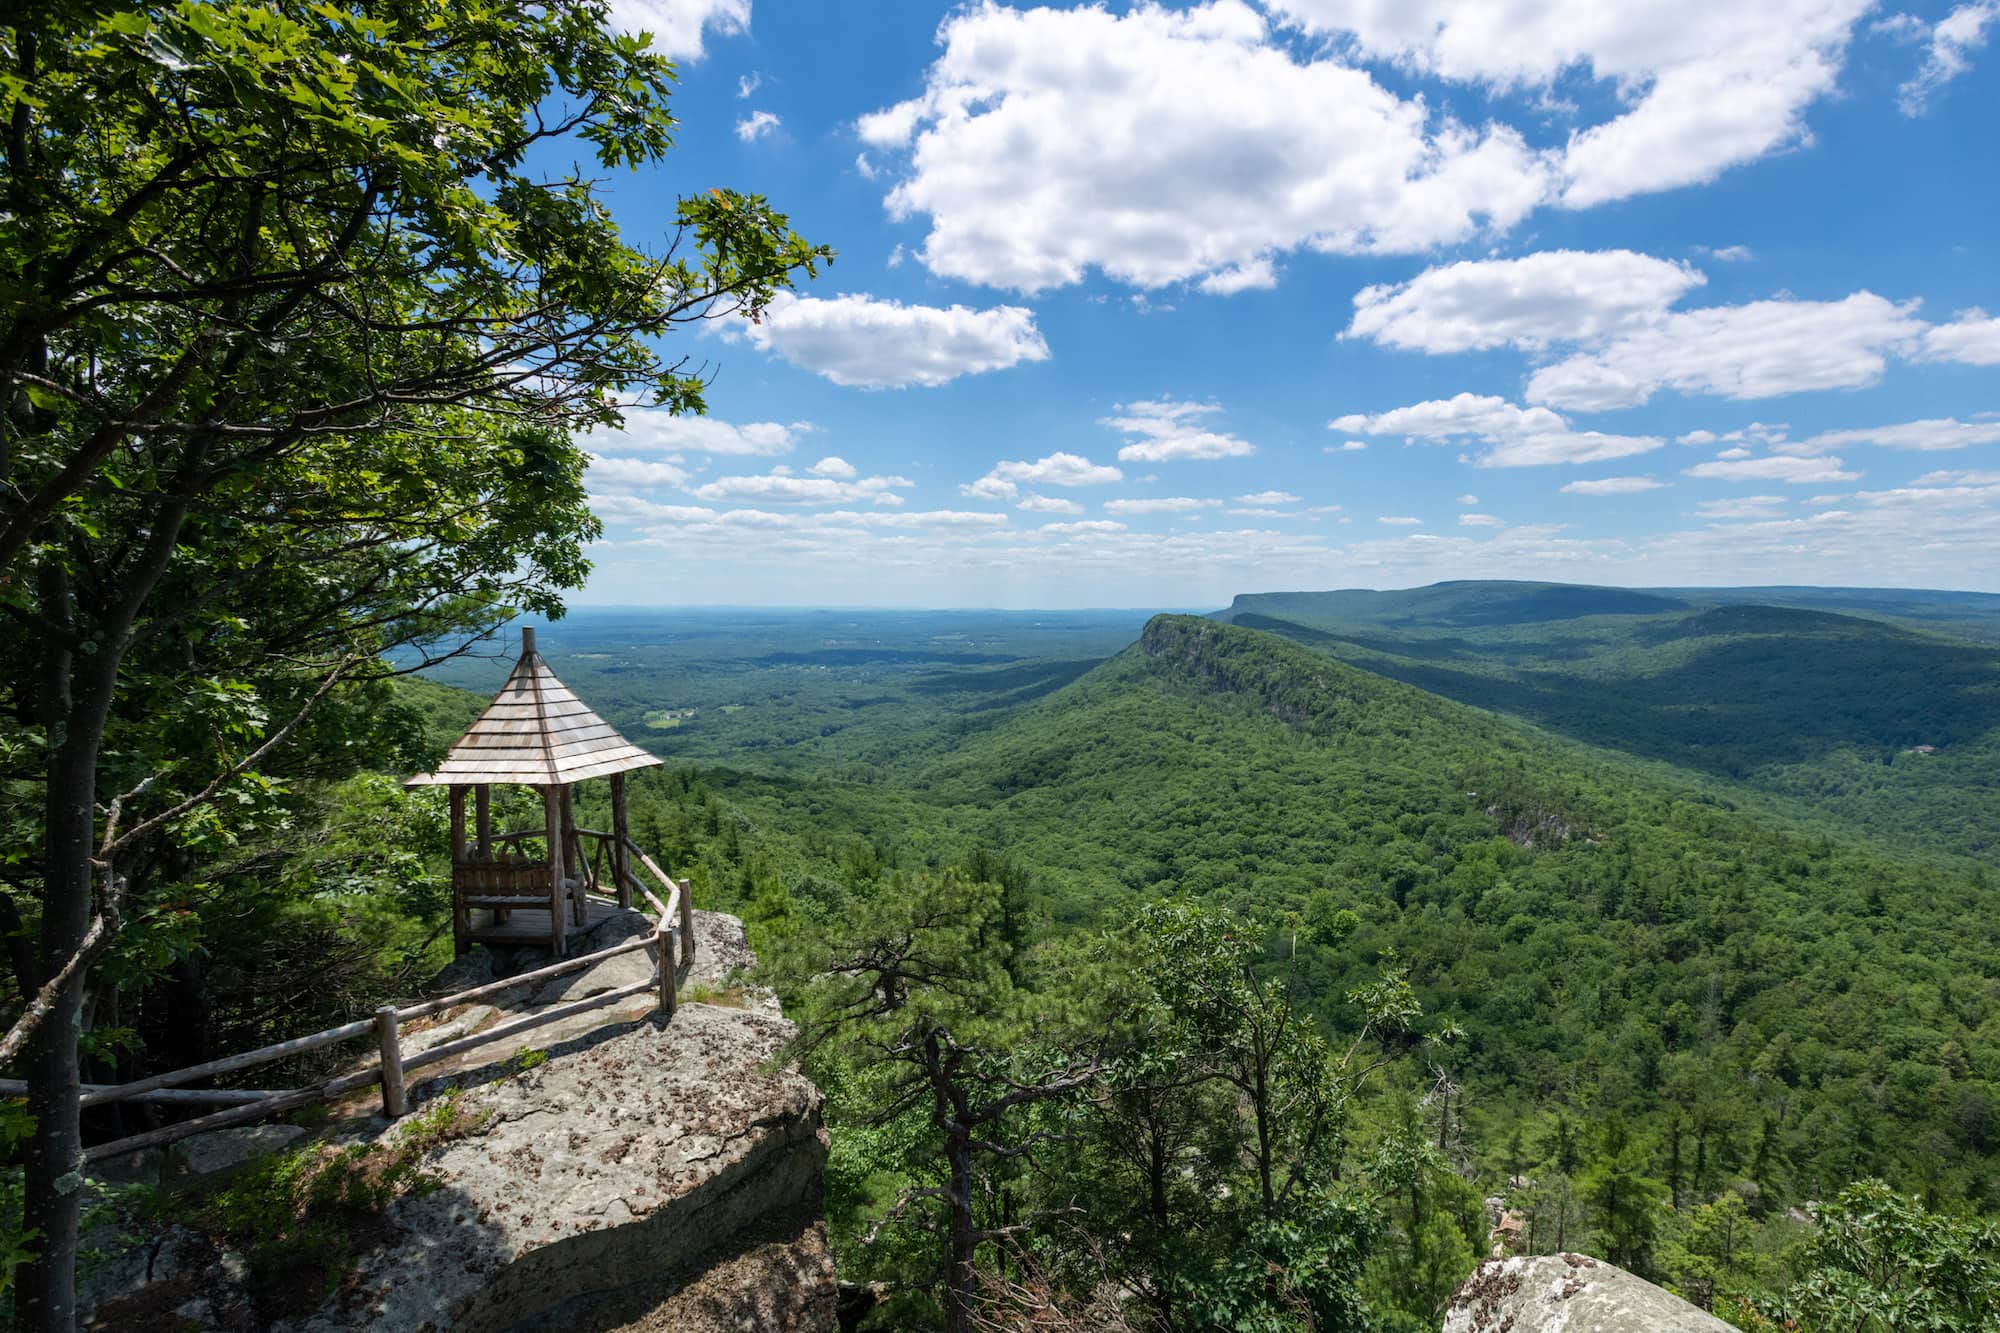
1280, 1240
1880, 1262
915, 995
1435, 1220
296, 334
1624, 1203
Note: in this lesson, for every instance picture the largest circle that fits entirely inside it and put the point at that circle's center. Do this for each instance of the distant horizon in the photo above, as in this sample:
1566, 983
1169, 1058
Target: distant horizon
1198, 608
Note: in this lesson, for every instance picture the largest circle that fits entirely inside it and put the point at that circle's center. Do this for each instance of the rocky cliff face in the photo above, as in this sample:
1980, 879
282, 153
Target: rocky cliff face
642, 1175
1568, 1293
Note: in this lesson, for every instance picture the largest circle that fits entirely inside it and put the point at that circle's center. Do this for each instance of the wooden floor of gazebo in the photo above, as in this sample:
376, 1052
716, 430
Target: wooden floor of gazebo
530, 925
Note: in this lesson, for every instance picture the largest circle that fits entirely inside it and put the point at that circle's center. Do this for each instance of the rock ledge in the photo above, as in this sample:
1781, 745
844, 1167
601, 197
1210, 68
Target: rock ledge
1568, 1293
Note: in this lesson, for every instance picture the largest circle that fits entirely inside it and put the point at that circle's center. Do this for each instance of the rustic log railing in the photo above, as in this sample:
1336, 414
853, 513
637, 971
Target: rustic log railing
671, 941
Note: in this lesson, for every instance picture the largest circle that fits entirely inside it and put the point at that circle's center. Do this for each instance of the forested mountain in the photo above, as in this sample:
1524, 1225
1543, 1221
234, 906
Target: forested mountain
1609, 943
1720, 1008
1882, 714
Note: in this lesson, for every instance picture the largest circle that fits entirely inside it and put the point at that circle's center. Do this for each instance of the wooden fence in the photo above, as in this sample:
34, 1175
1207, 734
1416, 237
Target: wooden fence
672, 939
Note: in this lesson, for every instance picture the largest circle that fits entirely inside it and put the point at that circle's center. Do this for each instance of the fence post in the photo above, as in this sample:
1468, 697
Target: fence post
669, 981
687, 916
393, 1102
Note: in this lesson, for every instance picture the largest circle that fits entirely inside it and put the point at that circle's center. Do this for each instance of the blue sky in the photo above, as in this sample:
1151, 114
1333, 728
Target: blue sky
1147, 305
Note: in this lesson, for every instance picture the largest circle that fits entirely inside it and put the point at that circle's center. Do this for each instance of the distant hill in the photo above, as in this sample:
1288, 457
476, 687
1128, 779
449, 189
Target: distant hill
1464, 602
1453, 604
1633, 941
1873, 714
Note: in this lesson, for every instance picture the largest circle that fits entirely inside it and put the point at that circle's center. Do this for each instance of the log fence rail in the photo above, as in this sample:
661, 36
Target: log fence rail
670, 942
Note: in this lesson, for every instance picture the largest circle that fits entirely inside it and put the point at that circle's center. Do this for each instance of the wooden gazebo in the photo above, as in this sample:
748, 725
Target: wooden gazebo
535, 884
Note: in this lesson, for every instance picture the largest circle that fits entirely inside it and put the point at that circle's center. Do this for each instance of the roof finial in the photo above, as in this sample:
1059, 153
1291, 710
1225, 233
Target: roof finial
527, 640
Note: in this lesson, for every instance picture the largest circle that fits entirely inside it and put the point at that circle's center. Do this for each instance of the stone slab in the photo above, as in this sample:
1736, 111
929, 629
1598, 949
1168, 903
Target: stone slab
1568, 1293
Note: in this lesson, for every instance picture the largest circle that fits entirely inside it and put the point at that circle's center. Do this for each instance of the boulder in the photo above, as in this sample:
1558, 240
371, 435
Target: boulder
1568, 1293
777, 1278
474, 967
462, 1022
221, 1149
627, 1151
624, 970
722, 964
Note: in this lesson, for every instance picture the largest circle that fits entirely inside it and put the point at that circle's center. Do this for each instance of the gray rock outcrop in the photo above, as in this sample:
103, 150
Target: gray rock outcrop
1568, 1293
591, 1172
627, 1172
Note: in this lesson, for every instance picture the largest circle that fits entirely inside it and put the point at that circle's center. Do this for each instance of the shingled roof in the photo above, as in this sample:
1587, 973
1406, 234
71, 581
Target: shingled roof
535, 732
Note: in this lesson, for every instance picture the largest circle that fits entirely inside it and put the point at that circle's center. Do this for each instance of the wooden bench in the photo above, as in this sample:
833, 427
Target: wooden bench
509, 882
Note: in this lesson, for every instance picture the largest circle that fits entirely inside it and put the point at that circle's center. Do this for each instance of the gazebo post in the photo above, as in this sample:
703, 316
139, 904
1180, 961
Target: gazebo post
483, 818
621, 865
572, 853
558, 890
461, 920
569, 832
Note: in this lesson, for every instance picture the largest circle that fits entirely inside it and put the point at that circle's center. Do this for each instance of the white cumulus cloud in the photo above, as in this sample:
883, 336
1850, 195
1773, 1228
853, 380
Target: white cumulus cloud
757, 125
1748, 506
1549, 296
1936, 433
632, 473
1161, 145
1048, 504
1613, 314
871, 343
1178, 504
1700, 85
1513, 436
1758, 350
1613, 486
835, 467
1165, 431
780, 487
1058, 469
1789, 468
1972, 338
678, 26
1086, 528
663, 432
1954, 39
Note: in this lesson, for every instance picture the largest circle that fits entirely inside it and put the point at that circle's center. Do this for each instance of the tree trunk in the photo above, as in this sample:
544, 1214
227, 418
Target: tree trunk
961, 1278
76, 693
54, 1167
1261, 1098
1156, 1179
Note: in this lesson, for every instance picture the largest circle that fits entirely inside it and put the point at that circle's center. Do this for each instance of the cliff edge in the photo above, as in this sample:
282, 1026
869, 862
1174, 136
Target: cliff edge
647, 1174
